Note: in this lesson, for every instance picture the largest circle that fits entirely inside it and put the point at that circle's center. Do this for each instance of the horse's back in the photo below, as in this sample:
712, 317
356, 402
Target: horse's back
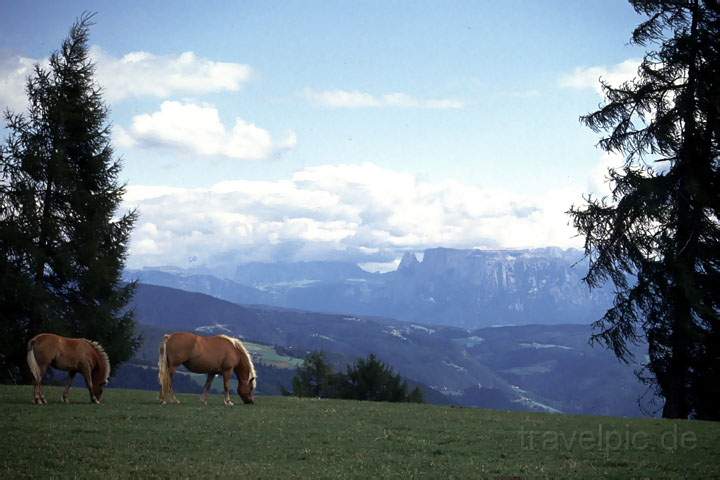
180, 341
45, 346
45, 339
198, 353
180, 346
187, 342
223, 347
64, 352
218, 342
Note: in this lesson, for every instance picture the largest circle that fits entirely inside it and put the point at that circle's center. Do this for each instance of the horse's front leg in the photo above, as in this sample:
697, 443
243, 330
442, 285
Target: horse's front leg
87, 375
227, 376
71, 377
206, 388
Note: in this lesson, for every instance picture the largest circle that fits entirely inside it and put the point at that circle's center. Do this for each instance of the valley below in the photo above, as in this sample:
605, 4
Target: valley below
545, 368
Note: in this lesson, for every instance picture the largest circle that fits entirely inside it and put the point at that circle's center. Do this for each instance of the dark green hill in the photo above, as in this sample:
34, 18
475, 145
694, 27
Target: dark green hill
537, 368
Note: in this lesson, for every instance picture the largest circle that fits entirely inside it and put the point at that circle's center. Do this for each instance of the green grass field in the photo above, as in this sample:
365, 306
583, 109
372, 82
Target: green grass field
131, 435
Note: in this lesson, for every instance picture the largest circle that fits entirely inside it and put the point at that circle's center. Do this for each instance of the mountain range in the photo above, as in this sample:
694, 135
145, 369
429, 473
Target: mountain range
503, 329
461, 288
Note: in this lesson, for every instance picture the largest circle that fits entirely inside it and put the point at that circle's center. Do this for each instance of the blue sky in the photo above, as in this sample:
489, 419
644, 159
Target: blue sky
356, 131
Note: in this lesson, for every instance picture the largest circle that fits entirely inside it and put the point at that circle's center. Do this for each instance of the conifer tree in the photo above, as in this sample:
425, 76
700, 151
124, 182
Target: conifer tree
657, 237
367, 379
371, 379
313, 377
62, 240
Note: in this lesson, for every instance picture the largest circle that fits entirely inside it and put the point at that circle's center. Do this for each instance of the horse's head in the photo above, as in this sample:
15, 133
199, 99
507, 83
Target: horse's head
98, 388
100, 376
99, 380
100, 371
246, 391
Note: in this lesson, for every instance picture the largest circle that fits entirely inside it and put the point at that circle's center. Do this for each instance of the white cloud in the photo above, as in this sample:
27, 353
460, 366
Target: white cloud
197, 128
13, 76
135, 74
357, 99
138, 74
364, 213
381, 267
598, 181
589, 77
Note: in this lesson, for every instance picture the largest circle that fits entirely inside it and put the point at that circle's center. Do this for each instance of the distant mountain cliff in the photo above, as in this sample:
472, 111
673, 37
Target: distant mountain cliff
473, 288
463, 288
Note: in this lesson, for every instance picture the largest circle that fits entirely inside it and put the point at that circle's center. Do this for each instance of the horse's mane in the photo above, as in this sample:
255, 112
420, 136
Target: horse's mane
103, 357
239, 345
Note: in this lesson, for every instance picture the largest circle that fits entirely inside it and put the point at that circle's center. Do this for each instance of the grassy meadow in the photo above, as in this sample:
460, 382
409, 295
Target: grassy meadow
131, 435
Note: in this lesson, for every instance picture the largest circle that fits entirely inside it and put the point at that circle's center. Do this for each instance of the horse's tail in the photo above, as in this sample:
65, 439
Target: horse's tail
32, 361
163, 371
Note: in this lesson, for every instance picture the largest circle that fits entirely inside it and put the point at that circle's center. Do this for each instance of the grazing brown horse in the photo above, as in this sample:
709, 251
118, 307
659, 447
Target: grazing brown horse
73, 355
212, 355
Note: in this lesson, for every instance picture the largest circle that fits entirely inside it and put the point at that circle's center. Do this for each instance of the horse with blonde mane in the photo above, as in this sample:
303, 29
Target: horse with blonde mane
73, 355
211, 355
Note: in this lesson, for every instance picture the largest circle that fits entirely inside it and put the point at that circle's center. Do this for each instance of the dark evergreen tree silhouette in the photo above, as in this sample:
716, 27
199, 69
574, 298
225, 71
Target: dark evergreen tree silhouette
314, 377
657, 237
371, 379
62, 242
367, 379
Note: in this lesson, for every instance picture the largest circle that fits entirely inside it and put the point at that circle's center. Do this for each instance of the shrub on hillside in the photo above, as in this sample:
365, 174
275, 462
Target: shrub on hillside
367, 379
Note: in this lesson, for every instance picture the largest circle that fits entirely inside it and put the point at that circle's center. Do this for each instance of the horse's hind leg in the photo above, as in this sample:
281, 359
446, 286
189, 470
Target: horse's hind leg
39, 394
169, 395
227, 376
172, 389
206, 388
43, 400
38, 398
36, 392
71, 377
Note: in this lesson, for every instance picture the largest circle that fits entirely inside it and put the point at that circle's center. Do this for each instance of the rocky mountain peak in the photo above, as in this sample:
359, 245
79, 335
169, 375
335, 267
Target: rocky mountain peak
408, 263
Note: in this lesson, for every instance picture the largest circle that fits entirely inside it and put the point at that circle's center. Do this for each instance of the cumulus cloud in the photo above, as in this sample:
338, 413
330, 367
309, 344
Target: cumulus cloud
145, 74
599, 179
13, 75
135, 74
357, 99
589, 77
197, 128
363, 213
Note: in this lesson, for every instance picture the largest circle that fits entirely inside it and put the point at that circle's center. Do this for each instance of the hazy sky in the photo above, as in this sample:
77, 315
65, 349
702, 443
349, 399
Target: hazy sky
342, 130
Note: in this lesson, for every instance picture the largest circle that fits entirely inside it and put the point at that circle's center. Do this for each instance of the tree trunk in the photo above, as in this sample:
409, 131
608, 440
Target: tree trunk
676, 397
43, 238
677, 401
36, 319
